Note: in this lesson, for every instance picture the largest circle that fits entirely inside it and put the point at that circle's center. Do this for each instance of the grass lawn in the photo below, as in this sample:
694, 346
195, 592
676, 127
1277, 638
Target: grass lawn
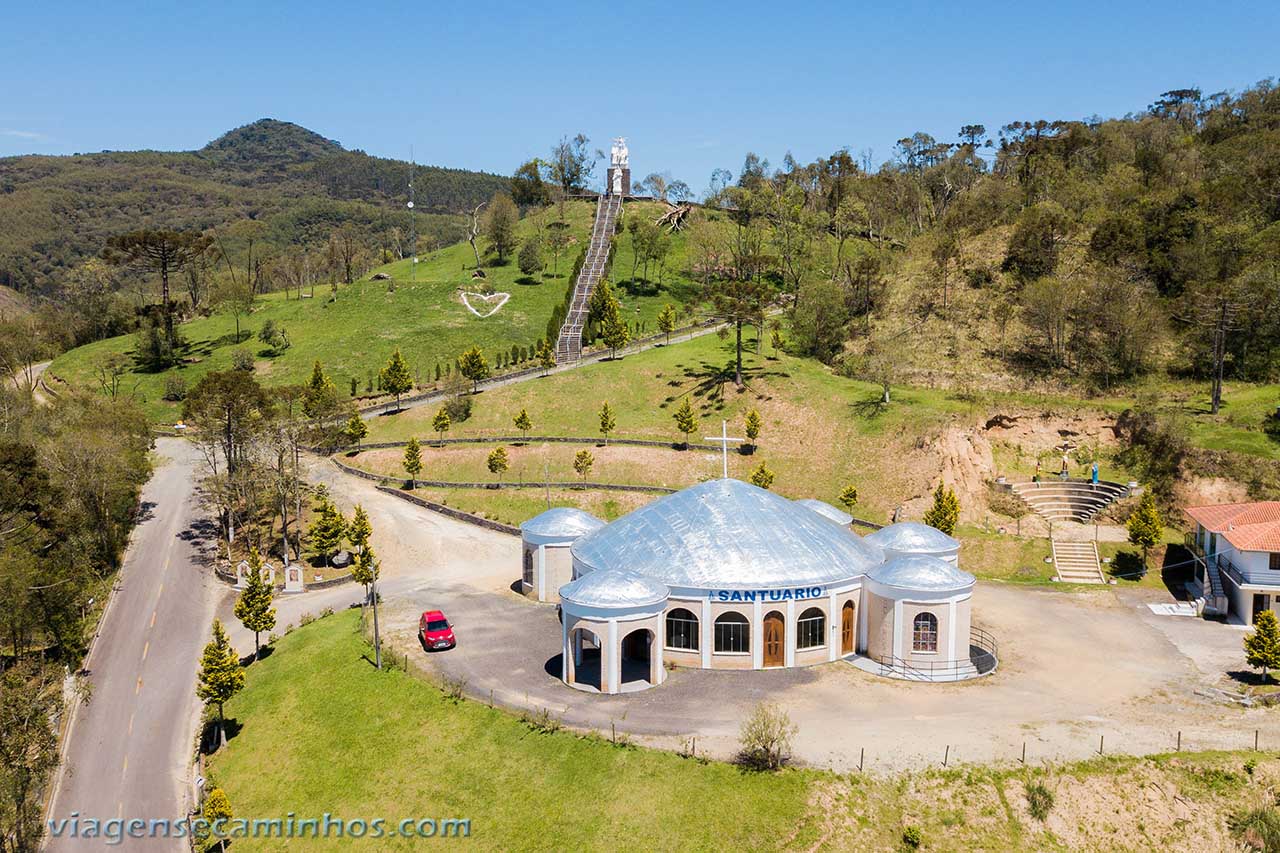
354, 334
320, 731
325, 732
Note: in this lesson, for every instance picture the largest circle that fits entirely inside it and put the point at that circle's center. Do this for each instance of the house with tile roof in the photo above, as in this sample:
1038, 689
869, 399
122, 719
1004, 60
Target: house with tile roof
1237, 549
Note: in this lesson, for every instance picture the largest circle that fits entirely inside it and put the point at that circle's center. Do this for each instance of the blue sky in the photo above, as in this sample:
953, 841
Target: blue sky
693, 86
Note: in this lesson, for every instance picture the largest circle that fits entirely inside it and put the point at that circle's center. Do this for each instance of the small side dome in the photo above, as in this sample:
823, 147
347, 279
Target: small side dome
912, 537
613, 588
921, 573
562, 524
826, 510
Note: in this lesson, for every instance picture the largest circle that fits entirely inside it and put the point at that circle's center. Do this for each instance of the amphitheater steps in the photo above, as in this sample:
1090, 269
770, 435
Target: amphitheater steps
1077, 562
1069, 500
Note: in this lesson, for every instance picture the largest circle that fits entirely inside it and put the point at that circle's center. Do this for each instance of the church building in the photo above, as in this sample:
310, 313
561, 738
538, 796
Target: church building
725, 575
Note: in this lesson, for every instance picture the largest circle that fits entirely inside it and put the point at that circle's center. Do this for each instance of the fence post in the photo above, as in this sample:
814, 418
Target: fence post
1024, 752
1179, 749
946, 755
1255, 740
1101, 740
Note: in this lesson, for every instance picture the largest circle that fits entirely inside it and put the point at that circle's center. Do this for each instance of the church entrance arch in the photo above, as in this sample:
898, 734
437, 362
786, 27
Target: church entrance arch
775, 647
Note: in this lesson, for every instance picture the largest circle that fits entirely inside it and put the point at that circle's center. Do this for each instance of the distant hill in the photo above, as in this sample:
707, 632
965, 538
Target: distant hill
57, 211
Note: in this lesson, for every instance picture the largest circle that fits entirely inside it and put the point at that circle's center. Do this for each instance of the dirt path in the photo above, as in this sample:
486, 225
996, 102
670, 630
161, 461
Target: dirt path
1075, 667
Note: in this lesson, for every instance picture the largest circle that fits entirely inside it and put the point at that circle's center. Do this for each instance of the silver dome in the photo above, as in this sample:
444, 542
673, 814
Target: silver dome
921, 573
613, 588
912, 537
730, 535
826, 510
562, 522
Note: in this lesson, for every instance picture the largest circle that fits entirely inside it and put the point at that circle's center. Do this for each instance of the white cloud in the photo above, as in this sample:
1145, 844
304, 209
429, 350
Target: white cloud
23, 134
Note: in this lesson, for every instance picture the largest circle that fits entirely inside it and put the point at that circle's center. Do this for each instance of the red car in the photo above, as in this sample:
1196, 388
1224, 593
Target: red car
435, 632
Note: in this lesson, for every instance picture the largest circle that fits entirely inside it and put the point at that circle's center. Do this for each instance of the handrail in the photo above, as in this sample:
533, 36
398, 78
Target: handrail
973, 665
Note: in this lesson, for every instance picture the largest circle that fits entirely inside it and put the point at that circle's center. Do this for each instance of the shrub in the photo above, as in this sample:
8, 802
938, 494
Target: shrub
912, 837
305, 619
453, 688
1250, 766
175, 388
1039, 800
1257, 828
242, 359
766, 737
542, 721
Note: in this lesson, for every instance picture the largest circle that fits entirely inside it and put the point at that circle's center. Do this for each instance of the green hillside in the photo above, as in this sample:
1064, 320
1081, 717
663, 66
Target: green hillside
353, 330
57, 211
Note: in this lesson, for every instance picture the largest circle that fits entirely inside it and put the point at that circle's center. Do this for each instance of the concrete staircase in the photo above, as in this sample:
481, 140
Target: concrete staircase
1069, 500
1077, 562
569, 342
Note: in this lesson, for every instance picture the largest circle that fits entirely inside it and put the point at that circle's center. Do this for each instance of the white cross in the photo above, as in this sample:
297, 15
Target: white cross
723, 440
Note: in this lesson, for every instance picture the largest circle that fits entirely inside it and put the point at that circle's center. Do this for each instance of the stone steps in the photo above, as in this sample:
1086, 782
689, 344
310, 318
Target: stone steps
1074, 500
1077, 562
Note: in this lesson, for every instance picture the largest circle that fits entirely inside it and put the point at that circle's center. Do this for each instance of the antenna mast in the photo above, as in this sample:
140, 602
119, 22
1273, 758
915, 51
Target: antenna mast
413, 224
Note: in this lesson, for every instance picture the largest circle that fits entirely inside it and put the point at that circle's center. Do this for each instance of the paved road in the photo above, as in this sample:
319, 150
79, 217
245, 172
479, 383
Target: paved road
129, 747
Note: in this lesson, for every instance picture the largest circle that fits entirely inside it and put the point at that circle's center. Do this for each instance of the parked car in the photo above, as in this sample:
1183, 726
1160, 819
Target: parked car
435, 632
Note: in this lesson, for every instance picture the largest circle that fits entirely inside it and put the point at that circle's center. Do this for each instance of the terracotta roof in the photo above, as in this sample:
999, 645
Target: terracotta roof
1247, 526
1222, 517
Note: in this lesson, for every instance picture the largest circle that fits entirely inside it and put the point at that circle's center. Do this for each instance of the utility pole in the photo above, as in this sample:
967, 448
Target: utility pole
377, 640
413, 224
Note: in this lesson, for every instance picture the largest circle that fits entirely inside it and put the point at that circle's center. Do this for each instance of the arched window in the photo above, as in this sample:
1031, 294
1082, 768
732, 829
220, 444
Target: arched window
682, 630
733, 633
811, 629
924, 633
528, 566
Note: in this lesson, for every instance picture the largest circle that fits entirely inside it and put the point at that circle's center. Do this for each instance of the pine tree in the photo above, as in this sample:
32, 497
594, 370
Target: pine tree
686, 420
546, 356
497, 462
221, 675
775, 341
582, 463
608, 423
441, 423
945, 512
473, 366
849, 497
1262, 646
217, 807
667, 321
1145, 526
413, 460
395, 377
359, 531
762, 476
321, 395
437, 371
523, 423
356, 429
751, 424
328, 530
613, 328
253, 607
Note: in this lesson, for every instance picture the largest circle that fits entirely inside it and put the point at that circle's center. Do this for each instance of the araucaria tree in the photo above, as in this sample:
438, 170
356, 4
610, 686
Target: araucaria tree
762, 476
321, 397
608, 422
221, 675
162, 252
945, 512
441, 423
253, 607
686, 420
413, 456
1262, 645
395, 377
523, 423
359, 531
497, 462
582, 463
1145, 525
500, 223
473, 365
740, 303
751, 425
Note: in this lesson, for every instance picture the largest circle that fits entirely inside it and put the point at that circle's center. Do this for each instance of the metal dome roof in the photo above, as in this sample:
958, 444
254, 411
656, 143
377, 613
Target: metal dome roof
921, 573
912, 537
826, 510
731, 535
562, 522
613, 588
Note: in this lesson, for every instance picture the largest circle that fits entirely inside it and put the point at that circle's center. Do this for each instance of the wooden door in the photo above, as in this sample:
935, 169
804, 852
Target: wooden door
846, 628
774, 647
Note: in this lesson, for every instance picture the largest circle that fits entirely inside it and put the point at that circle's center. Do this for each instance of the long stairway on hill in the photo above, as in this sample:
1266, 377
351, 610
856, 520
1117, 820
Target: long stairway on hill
1069, 500
569, 343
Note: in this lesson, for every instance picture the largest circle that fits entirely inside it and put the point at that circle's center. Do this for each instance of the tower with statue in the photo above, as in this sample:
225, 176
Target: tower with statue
619, 177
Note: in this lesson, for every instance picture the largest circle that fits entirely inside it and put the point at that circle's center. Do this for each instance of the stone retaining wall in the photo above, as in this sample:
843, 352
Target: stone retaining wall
400, 482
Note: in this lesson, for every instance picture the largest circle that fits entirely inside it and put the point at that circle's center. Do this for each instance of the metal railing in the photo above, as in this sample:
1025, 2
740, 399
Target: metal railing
569, 341
983, 659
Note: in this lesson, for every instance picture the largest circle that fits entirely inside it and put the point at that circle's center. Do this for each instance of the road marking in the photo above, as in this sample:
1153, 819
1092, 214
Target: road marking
145, 648
153, 619
131, 724
120, 809
124, 769
138, 689
160, 589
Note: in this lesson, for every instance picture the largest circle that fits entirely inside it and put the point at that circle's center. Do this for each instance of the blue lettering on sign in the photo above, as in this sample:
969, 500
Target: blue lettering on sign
799, 593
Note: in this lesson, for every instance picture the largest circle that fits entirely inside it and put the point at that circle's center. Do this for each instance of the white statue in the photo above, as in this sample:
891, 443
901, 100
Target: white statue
618, 154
